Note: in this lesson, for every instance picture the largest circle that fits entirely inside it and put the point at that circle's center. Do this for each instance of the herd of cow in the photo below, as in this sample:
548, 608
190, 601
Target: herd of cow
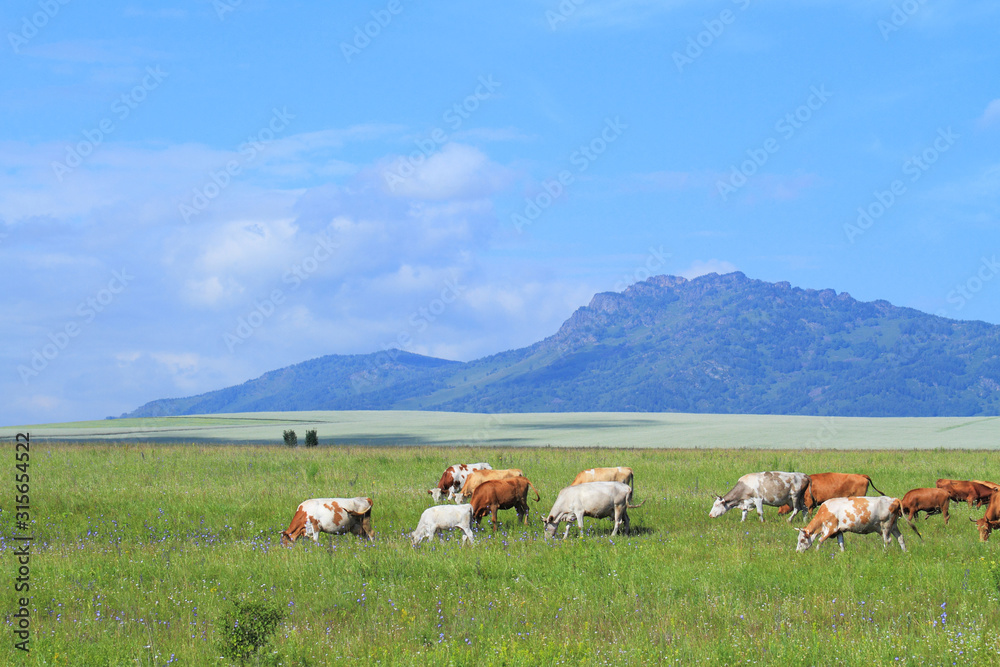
839, 499
598, 492
844, 507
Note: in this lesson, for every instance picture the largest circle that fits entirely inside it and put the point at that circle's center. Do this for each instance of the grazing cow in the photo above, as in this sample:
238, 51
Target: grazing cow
502, 494
990, 520
477, 477
970, 492
826, 485
861, 515
619, 474
596, 499
452, 480
992, 485
443, 517
330, 515
932, 501
764, 488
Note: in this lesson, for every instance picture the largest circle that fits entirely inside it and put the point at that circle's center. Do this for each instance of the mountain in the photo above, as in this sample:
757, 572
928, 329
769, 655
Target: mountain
720, 344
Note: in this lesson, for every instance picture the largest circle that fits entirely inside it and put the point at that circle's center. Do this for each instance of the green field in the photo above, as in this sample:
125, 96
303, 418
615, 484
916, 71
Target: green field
622, 430
140, 551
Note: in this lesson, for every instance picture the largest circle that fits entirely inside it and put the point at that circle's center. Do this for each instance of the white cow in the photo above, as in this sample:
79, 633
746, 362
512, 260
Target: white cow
330, 515
764, 488
597, 499
453, 479
857, 514
444, 517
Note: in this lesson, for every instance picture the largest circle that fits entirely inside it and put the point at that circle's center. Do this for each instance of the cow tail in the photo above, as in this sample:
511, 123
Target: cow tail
897, 509
875, 487
538, 498
629, 499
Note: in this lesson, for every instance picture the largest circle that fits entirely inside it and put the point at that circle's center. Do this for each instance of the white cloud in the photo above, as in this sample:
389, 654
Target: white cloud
457, 171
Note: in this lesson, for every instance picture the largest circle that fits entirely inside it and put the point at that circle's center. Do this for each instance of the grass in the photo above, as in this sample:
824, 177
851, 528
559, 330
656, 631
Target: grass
141, 550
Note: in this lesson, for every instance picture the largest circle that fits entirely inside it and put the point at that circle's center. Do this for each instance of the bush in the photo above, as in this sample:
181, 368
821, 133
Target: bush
291, 440
247, 626
311, 439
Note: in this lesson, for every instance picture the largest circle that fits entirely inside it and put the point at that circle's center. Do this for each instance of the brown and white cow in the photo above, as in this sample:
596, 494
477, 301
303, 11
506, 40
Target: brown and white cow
853, 515
330, 515
477, 477
452, 480
973, 493
826, 485
764, 488
932, 501
502, 494
617, 474
990, 520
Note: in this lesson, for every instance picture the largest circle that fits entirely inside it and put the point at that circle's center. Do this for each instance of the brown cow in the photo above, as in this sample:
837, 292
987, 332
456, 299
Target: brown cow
477, 477
827, 485
330, 515
502, 494
970, 492
932, 501
617, 474
990, 520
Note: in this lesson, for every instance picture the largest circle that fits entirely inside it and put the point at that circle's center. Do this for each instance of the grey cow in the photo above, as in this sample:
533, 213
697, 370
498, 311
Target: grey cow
764, 488
597, 499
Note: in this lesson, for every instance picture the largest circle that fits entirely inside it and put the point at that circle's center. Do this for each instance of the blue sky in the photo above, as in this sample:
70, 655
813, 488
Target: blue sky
192, 194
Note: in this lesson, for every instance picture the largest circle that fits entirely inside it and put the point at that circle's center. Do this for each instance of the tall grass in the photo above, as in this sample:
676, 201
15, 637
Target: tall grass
140, 551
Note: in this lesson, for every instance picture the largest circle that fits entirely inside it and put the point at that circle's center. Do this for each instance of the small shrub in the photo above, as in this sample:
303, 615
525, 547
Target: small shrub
311, 439
291, 440
247, 626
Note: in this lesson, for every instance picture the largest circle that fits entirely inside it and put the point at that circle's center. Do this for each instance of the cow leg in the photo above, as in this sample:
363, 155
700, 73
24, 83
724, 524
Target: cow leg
579, 525
744, 516
493, 509
944, 511
899, 537
759, 502
568, 525
840, 540
626, 522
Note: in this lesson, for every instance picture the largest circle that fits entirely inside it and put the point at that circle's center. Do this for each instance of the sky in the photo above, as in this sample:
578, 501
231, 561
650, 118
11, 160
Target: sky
195, 193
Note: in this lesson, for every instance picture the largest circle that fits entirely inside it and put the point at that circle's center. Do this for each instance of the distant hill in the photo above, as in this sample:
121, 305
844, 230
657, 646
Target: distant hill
721, 344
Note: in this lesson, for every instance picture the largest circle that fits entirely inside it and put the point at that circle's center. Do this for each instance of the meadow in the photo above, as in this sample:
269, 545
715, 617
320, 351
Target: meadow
141, 550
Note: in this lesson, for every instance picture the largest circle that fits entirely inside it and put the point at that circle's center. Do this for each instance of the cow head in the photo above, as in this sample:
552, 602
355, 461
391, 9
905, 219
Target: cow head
435, 494
286, 538
805, 540
550, 527
985, 527
719, 507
